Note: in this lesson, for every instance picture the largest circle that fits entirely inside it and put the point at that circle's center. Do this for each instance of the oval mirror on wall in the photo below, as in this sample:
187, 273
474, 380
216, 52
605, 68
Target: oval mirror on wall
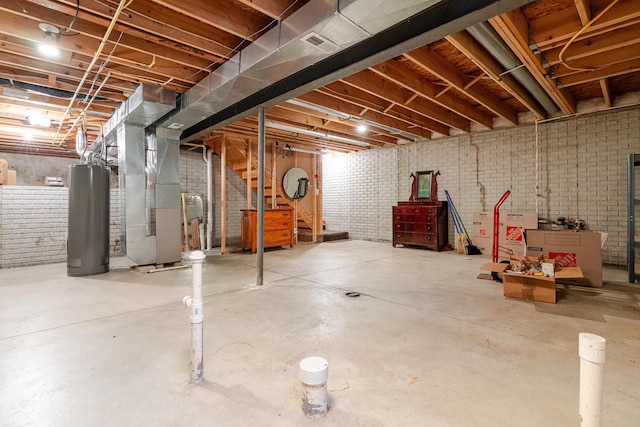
295, 183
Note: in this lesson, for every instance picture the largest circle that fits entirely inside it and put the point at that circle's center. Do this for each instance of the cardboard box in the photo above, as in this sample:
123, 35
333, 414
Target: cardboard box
570, 249
512, 226
532, 288
4, 167
11, 178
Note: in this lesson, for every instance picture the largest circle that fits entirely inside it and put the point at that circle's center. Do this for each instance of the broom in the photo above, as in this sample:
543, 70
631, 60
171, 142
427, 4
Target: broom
462, 237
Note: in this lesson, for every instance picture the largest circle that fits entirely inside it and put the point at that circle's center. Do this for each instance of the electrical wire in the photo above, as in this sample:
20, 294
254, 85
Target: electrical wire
75, 16
576, 35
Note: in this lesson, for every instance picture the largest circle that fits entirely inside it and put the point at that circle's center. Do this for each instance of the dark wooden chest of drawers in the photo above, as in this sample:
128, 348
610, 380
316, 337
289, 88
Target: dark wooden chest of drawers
278, 228
421, 224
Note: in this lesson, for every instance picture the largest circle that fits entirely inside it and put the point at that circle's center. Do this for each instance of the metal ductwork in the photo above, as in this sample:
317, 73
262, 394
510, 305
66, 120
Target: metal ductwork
148, 164
491, 41
318, 30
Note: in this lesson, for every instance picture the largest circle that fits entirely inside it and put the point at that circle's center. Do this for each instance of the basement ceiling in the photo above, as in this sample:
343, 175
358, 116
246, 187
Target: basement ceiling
538, 61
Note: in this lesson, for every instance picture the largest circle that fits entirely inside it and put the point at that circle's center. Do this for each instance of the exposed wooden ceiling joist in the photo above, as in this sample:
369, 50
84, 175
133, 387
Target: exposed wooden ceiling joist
449, 86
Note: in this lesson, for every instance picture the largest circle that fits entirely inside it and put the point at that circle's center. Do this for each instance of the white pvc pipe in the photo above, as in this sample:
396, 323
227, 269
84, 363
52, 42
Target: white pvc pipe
314, 372
592, 355
197, 316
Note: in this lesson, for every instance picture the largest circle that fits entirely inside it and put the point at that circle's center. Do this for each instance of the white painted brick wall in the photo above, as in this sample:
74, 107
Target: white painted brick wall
33, 219
582, 174
193, 180
33, 225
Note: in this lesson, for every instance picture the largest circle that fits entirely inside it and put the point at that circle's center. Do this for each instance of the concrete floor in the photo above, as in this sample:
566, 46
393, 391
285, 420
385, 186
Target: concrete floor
427, 343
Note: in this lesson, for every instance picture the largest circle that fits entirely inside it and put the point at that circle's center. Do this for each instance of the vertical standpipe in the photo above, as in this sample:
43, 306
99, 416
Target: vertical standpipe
314, 372
592, 353
197, 316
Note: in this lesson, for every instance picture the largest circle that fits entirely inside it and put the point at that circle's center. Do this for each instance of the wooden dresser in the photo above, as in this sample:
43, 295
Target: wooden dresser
421, 224
278, 228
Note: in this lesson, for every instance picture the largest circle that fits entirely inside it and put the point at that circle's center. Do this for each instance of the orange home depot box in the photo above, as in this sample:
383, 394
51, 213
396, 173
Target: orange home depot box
570, 249
512, 226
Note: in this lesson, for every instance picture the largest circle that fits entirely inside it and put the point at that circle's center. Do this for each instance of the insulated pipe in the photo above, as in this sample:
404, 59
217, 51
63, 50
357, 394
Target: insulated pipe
496, 225
209, 201
592, 354
260, 198
197, 316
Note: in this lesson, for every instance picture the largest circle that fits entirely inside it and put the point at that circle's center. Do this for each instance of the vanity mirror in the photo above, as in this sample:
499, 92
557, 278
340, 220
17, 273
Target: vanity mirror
426, 186
295, 183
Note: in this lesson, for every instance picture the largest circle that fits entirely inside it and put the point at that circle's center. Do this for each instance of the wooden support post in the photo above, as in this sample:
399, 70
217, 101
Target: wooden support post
274, 186
249, 154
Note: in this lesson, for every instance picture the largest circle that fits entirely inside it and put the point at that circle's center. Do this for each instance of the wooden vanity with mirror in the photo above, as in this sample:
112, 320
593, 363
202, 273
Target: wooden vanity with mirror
422, 221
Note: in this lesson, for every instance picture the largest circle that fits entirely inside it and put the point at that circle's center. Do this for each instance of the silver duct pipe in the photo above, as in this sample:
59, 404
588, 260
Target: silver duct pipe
491, 41
316, 31
148, 162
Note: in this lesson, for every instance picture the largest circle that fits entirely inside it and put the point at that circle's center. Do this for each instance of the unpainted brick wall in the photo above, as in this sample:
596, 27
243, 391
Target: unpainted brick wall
581, 174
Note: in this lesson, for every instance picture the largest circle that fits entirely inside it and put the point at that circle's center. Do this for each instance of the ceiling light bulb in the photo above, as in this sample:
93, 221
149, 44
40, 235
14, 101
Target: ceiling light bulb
48, 47
48, 50
36, 118
362, 128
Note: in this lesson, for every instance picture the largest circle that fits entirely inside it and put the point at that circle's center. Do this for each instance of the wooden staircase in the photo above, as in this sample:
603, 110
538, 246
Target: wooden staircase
239, 165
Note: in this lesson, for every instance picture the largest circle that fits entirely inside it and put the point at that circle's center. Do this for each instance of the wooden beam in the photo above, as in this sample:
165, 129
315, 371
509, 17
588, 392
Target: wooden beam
30, 14
295, 115
402, 76
631, 66
333, 103
23, 65
166, 27
274, 169
555, 29
487, 63
513, 28
437, 65
368, 101
603, 60
375, 85
249, 158
619, 44
222, 15
275, 9
584, 10
606, 92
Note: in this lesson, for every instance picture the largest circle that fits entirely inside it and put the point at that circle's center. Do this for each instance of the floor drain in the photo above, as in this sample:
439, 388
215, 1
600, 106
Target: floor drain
353, 294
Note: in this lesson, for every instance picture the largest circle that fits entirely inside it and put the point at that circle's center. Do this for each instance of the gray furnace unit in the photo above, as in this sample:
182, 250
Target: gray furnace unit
88, 228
